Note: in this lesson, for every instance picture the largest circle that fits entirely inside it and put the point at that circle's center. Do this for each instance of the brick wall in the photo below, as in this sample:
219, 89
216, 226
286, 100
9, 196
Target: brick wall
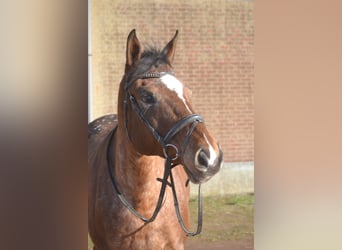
214, 57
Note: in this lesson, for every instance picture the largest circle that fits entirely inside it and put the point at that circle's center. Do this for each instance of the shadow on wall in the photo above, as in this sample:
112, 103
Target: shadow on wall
233, 178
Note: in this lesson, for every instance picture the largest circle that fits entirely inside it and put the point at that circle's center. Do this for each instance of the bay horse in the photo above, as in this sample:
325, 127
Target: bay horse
141, 160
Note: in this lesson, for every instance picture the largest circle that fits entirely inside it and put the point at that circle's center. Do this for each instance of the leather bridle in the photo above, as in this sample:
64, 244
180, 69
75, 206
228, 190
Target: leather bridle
164, 141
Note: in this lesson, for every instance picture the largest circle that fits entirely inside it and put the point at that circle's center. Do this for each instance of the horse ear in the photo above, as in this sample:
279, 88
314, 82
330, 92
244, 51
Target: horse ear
170, 48
133, 50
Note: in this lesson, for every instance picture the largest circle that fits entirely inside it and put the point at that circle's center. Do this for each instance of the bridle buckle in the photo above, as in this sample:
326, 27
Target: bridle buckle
166, 154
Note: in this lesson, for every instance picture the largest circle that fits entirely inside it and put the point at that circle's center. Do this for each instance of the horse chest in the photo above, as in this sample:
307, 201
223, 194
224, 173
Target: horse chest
128, 232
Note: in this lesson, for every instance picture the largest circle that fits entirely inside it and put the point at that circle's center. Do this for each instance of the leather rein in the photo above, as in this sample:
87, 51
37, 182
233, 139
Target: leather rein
192, 120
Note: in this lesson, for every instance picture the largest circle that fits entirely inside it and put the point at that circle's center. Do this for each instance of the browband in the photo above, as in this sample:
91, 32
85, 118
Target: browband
148, 75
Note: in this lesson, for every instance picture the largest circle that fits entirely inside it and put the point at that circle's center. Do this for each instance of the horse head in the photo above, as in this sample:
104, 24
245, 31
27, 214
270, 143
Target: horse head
156, 111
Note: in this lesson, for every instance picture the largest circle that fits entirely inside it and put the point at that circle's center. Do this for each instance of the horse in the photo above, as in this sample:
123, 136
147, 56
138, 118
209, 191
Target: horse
141, 160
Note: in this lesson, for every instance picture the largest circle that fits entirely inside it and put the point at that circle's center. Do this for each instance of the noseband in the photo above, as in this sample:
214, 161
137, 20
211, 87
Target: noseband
164, 141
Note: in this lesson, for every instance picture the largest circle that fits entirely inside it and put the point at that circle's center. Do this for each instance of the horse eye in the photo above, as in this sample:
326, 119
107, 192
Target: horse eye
148, 98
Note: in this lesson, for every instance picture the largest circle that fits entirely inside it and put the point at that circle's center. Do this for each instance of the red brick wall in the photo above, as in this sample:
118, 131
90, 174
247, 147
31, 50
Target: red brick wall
214, 57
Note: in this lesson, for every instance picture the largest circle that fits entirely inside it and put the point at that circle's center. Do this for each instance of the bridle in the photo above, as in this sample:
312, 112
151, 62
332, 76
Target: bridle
164, 141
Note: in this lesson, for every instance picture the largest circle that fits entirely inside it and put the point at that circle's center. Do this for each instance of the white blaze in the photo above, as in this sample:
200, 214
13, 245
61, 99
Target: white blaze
212, 152
175, 85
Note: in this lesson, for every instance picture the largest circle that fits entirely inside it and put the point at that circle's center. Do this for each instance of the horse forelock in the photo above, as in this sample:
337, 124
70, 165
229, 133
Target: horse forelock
151, 57
154, 53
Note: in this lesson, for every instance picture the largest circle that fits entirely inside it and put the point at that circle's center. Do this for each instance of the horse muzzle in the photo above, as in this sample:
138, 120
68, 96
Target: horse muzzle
208, 161
206, 164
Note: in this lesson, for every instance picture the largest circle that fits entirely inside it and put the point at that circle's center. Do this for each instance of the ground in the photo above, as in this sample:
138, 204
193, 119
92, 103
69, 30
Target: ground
244, 244
227, 223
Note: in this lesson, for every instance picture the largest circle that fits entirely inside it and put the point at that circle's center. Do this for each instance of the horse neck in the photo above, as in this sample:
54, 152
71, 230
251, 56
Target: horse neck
136, 174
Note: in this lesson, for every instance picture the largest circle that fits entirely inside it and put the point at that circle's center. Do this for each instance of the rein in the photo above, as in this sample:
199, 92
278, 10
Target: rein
192, 120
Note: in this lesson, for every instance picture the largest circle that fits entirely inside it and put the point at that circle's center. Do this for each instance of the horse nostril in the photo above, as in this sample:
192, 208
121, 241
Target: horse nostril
203, 159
